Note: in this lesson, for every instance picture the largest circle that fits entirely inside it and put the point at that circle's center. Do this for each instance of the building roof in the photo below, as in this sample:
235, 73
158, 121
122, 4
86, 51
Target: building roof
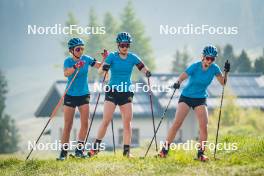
248, 88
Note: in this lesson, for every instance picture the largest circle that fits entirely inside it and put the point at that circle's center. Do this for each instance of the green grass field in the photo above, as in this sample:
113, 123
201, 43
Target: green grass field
241, 126
247, 160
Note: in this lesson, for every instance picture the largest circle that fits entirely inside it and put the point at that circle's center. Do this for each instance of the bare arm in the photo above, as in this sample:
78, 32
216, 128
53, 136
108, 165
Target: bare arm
97, 65
182, 77
68, 71
100, 64
222, 79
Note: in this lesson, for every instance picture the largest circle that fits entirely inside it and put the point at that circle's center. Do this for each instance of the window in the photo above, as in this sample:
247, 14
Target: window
135, 136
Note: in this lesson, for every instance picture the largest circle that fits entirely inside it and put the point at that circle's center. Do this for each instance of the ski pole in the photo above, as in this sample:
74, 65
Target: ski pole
104, 54
152, 114
162, 117
53, 113
220, 112
113, 134
95, 108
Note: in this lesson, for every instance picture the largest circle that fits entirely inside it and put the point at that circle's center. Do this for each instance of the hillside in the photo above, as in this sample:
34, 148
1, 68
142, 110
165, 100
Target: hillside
247, 160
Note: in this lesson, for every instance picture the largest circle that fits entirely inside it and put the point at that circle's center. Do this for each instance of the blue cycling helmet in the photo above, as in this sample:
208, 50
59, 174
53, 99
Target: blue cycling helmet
210, 51
123, 37
75, 42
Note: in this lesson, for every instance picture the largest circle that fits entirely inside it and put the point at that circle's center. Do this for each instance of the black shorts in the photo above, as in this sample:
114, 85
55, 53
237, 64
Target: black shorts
119, 98
74, 101
193, 102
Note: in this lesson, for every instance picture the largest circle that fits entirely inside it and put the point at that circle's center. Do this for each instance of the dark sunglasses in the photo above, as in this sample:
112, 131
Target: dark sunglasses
123, 45
212, 59
78, 49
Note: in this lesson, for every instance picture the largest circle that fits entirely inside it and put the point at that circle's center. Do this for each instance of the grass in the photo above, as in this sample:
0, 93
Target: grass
247, 160
238, 126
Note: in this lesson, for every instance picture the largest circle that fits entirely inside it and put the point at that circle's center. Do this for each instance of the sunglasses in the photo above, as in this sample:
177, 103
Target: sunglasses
123, 45
78, 49
212, 59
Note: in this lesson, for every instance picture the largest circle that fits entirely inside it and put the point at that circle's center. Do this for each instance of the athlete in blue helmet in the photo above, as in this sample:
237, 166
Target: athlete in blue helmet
78, 94
194, 94
121, 65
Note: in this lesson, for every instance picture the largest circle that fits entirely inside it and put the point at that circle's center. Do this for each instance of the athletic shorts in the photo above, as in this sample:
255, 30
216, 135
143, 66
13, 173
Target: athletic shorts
119, 98
193, 102
74, 101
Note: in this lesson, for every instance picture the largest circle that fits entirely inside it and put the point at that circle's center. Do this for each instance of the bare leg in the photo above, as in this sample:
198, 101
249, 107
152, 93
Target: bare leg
84, 116
109, 109
202, 116
127, 115
68, 119
182, 111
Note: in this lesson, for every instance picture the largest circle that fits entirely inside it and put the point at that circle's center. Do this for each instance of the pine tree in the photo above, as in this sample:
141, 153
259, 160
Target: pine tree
228, 54
70, 21
180, 61
141, 43
259, 65
94, 42
243, 62
8, 131
220, 60
111, 27
94, 45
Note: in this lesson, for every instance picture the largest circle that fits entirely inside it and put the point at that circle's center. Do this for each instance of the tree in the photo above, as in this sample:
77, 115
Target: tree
129, 23
141, 43
259, 65
8, 130
220, 61
243, 62
228, 54
111, 27
180, 61
94, 44
71, 21
3, 91
94, 41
